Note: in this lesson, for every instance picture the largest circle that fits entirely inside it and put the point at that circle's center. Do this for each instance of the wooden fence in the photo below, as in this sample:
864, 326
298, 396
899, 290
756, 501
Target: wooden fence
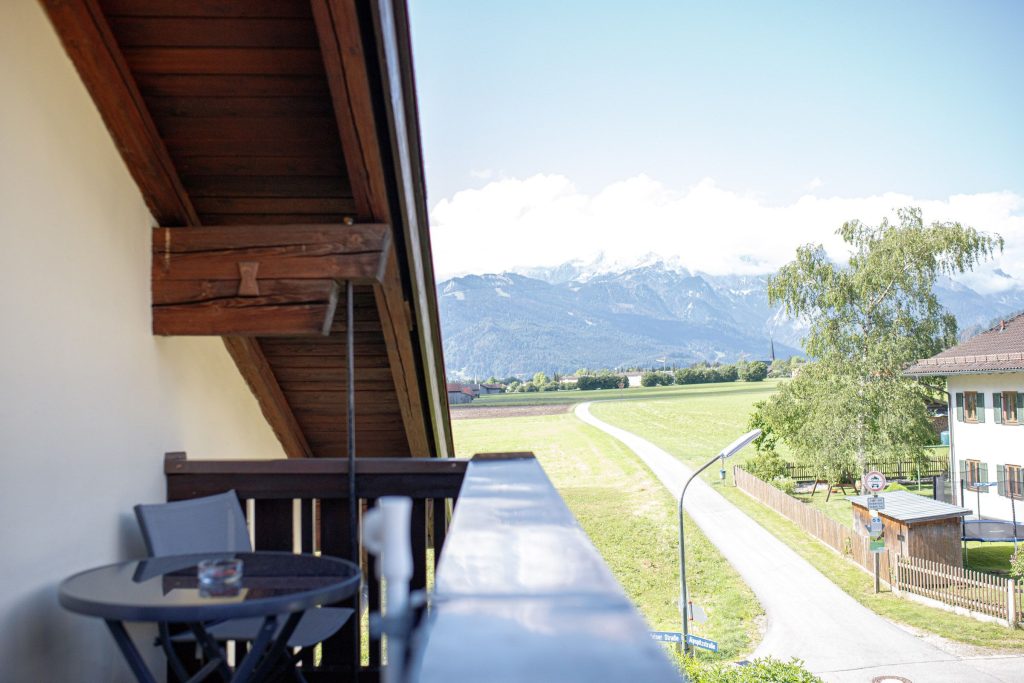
895, 470
970, 590
965, 588
830, 532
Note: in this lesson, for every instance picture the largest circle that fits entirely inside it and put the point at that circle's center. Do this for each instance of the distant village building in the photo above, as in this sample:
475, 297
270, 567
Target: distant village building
985, 382
460, 393
492, 389
634, 378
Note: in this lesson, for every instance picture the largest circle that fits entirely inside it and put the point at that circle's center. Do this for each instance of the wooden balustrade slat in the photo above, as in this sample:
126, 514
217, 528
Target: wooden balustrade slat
342, 649
273, 527
440, 527
418, 526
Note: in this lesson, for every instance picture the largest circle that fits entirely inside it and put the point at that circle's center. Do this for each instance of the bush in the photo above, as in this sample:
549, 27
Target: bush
1017, 566
896, 486
767, 465
753, 372
784, 484
727, 373
602, 380
705, 375
761, 670
656, 379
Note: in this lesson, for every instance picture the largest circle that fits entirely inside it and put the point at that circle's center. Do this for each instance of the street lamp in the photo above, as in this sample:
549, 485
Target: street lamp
727, 452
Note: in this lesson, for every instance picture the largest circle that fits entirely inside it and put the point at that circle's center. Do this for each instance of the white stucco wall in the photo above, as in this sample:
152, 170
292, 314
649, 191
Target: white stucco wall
988, 442
89, 399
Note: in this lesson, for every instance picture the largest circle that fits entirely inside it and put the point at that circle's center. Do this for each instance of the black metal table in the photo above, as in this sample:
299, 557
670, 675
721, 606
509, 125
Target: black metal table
166, 590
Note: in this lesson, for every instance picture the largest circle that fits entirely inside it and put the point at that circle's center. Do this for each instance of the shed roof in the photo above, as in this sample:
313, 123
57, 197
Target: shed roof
905, 506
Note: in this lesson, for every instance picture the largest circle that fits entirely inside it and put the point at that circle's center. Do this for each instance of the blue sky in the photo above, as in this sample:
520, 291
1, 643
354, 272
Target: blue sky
769, 103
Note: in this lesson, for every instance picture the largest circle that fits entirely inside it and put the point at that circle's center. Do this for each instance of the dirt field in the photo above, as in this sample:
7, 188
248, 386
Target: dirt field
465, 412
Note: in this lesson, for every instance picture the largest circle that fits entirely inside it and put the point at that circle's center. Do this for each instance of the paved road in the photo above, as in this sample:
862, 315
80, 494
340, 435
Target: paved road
809, 616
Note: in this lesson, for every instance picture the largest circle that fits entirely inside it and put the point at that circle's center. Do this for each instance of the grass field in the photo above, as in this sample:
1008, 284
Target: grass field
637, 393
631, 519
696, 426
989, 557
694, 422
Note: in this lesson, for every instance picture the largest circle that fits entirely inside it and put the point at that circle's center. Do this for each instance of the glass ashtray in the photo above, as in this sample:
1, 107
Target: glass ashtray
219, 576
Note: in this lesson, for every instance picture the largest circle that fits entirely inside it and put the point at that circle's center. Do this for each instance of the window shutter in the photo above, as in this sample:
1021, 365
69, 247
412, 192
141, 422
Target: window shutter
1001, 478
997, 408
1020, 408
959, 408
980, 409
963, 477
983, 472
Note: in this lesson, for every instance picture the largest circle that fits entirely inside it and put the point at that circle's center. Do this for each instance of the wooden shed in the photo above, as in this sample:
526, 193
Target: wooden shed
915, 525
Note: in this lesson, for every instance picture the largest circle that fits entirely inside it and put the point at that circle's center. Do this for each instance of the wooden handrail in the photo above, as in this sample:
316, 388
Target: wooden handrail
321, 478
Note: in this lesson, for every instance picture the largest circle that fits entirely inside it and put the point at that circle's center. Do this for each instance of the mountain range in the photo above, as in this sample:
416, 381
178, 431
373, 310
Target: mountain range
651, 314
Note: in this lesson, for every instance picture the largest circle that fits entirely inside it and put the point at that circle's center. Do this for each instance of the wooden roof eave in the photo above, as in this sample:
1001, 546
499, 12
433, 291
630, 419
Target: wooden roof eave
415, 362
395, 57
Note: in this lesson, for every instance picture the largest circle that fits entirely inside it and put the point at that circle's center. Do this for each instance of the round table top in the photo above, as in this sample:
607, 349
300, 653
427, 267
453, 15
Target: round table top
166, 589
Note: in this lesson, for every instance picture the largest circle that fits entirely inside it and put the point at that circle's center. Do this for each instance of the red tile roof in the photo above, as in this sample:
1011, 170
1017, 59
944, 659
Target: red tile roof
1000, 349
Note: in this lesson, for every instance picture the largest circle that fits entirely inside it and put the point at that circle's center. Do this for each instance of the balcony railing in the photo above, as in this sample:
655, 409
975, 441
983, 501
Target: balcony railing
301, 505
520, 592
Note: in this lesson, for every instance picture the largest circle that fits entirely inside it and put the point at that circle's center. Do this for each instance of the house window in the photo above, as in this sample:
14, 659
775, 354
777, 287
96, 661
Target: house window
972, 473
1009, 407
970, 406
1014, 485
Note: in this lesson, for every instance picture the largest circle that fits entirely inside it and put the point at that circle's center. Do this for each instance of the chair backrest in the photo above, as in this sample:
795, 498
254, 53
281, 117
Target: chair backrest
200, 525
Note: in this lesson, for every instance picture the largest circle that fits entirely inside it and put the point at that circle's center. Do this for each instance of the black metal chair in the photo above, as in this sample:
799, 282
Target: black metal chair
217, 524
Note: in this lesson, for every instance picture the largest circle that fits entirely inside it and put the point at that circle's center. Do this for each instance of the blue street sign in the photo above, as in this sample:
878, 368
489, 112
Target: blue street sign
704, 643
667, 636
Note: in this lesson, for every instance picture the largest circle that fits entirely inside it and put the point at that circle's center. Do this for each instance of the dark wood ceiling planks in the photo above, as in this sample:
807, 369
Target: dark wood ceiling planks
234, 112
263, 150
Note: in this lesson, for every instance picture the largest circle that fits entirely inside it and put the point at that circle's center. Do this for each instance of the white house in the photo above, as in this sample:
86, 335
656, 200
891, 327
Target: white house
985, 381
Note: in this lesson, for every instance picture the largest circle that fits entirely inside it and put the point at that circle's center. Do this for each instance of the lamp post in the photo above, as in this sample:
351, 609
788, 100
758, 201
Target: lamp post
727, 452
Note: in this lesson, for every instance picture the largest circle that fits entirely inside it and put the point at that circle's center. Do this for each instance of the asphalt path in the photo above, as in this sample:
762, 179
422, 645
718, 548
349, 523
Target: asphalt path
808, 616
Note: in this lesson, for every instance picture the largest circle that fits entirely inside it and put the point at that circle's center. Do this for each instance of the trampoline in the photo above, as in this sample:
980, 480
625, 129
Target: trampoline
992, 530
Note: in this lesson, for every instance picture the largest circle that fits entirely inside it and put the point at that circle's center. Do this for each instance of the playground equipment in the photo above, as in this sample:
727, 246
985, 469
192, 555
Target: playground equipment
989, 530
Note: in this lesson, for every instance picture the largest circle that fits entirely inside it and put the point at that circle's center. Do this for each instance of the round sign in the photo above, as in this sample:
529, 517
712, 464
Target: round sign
874, 481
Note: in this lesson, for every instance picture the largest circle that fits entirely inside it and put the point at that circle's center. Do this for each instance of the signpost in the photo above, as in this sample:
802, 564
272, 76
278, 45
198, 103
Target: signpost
874, 481
702, 643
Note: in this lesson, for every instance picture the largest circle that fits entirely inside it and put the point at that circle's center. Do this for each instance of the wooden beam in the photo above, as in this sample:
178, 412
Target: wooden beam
258, 280
396, 325
248, 356
94, 51
250, 317
341, 44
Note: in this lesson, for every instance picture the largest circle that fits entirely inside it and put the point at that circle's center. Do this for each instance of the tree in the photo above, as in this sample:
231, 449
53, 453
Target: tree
753, 372
868, 321
540, 379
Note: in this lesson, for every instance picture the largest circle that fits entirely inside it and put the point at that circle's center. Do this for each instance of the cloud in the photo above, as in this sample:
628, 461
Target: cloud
545, 220
481, 174
814, 184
